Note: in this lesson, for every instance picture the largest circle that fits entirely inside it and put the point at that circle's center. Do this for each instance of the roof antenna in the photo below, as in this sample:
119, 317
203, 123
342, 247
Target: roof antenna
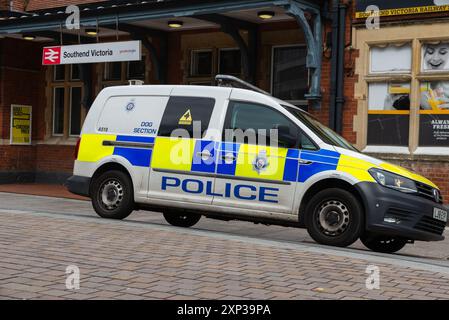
224, 80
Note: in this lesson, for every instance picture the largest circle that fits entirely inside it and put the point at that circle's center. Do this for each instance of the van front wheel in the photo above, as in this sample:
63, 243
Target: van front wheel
112, 195
180, 219
334, 217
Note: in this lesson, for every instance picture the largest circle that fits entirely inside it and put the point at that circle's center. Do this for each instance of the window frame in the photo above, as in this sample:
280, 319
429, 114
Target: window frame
66, 85
302, 103
417, 76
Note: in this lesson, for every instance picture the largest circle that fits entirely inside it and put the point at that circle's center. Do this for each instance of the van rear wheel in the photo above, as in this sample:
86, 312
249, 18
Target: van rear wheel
334, 217
112, 195
181, 219
383, 244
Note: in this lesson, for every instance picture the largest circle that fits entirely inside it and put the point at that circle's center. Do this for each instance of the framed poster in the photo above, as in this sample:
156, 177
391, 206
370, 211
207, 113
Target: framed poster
21, 119
435, 57
434, 114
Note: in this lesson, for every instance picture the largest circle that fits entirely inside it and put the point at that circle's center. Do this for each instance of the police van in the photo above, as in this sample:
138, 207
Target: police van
233, 152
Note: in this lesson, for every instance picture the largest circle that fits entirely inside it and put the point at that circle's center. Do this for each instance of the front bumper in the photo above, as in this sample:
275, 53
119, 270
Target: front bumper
79, 185
415, 213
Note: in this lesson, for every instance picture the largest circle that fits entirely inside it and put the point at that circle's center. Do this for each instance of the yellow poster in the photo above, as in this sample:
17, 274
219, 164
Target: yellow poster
20, 124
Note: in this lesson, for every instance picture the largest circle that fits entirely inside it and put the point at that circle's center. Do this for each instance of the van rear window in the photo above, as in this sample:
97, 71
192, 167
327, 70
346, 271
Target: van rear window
185, 115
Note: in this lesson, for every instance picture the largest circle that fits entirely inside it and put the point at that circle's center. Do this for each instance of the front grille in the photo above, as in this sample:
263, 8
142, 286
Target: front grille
431, 225
426, 191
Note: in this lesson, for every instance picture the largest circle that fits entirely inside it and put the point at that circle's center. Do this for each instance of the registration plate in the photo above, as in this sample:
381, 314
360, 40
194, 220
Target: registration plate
440, 214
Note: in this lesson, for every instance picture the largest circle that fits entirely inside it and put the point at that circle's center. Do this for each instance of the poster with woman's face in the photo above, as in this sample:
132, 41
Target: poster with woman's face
436, 57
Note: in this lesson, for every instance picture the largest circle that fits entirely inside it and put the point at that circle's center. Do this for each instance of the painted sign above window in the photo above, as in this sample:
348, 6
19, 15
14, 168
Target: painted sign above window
92, 53
401, 7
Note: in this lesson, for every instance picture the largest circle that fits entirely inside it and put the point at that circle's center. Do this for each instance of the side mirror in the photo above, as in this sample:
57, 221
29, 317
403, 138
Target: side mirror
284, 136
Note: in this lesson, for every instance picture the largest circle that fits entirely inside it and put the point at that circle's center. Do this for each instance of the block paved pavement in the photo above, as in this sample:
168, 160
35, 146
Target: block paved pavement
144, 260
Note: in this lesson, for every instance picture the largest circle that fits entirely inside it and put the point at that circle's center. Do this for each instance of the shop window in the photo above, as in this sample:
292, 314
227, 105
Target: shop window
435, 57
391, 58
290, 77
391, 99
434, 114
201, 63
230, 61
434, 93
58, 111
388, 114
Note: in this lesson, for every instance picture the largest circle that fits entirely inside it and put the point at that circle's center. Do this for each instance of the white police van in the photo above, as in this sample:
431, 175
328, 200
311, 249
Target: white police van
231, 153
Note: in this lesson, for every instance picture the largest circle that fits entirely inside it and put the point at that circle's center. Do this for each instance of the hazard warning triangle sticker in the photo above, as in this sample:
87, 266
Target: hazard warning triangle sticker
186, 119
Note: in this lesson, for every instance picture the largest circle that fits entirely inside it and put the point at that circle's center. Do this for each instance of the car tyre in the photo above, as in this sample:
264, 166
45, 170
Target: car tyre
181, 219
334, 217
113, 195
383, 244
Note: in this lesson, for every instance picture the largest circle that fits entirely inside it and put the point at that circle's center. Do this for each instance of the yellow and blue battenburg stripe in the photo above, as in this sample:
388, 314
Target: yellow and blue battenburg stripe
229, 159
139, 157
322, 160
93, 148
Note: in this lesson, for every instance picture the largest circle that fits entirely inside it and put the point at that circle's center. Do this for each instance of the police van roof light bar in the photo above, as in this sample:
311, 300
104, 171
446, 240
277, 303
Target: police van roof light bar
231, 81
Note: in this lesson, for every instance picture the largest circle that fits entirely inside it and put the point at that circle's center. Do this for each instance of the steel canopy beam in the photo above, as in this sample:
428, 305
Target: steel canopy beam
136, 13
313, 37
248, 50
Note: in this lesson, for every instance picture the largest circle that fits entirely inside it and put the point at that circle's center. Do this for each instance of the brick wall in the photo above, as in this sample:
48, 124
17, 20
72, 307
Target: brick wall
55, 158
23, 82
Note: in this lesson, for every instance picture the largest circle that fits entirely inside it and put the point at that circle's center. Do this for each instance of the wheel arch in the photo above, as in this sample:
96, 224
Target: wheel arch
109, 166
327, 184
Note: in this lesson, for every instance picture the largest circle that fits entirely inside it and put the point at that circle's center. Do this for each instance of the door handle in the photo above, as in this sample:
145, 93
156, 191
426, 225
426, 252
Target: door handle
305, 162
229, 157
205, 155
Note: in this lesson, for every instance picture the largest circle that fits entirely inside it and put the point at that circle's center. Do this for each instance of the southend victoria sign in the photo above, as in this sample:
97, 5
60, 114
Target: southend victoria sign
92, 53
401, 7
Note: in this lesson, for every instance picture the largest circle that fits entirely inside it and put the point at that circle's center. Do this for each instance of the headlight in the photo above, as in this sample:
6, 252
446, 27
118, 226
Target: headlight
394, 181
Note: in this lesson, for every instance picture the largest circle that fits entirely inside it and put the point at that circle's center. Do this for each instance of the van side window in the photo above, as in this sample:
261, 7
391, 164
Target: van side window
256, 121
251, 123
188, 113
